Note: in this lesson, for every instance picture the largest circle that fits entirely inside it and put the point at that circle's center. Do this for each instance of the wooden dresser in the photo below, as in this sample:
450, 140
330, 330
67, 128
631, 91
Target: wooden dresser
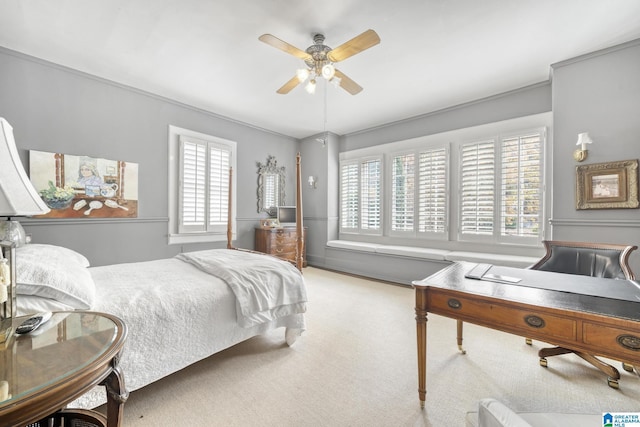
280, 242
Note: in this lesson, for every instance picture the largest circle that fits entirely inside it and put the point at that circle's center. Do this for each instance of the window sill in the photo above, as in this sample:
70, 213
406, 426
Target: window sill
179, 239
435, 254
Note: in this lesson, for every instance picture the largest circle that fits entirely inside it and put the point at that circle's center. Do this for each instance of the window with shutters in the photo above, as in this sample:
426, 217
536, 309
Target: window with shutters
477, 188
350, 202
521, 185
501, 188
432, 192
402, 192
370, 181
483, 184
360, 196
198, 186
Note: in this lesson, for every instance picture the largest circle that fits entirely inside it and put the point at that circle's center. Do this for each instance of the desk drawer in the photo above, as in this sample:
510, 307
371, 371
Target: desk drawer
618, 341
503, 317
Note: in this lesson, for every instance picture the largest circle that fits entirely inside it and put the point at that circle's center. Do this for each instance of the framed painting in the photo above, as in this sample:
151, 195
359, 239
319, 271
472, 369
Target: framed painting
84, 187
611, 185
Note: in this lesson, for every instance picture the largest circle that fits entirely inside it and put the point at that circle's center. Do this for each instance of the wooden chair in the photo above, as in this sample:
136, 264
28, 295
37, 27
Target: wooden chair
587, 259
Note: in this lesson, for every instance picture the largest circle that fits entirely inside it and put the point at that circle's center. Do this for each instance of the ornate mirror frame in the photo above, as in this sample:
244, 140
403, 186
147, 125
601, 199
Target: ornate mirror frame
270, 186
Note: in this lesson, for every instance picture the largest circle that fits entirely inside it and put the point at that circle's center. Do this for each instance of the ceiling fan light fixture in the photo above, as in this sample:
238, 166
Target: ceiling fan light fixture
328, 71
311, 86
336, 81
302, 74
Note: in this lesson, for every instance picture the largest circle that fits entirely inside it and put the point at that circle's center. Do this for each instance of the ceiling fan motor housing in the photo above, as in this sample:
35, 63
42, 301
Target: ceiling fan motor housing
318, 52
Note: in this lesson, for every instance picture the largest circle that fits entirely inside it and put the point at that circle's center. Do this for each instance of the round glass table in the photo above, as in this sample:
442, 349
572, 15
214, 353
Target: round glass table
41, 372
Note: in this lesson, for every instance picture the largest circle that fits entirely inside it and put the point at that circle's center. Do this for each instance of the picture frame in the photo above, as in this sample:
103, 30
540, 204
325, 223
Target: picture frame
610, 185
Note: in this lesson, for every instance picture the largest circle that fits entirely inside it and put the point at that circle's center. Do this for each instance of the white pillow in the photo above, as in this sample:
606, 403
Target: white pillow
55, 253
30, 304
54, 272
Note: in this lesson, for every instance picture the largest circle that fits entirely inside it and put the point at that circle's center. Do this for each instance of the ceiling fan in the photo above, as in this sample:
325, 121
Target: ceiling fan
319, 60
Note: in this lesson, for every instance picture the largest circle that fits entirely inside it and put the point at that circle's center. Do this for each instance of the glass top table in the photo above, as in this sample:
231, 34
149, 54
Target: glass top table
43, 371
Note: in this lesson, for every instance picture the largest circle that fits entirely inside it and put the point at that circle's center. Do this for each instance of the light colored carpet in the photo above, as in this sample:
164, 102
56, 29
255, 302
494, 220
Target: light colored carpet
356, 366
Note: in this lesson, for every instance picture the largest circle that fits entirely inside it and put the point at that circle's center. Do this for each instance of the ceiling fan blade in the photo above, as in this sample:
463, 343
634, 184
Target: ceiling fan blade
356, 45
286, 88
347, 84
284, 46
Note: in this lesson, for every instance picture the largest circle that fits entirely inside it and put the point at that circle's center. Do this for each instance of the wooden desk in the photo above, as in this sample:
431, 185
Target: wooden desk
42, 372
539, 307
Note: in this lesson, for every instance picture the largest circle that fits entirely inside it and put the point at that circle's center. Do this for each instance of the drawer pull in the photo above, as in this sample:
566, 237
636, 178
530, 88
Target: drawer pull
630, 342
534, 321
454, 303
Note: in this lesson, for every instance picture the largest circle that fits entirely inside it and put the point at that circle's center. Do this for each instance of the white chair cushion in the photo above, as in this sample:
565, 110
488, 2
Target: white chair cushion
492, 413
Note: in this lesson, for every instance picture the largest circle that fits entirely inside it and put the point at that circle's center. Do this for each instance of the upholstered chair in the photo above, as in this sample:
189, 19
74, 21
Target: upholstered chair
493, 413
587, 259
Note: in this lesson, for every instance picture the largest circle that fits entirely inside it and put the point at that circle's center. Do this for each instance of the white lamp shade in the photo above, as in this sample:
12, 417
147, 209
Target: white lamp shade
311, 86
302, 74
328, 71
18, 197
584, 138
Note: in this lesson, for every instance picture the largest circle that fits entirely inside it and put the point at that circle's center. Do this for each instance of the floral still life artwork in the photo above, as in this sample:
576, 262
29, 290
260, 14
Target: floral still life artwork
84, 187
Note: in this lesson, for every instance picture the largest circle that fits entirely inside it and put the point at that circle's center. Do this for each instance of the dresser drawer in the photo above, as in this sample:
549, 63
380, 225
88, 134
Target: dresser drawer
281, 242
522, 321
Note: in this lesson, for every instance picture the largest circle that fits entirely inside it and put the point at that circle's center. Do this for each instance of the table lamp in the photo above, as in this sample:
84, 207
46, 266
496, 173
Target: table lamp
18, 198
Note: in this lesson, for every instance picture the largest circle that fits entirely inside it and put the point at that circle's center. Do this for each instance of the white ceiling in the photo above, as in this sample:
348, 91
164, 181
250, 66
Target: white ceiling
433, 53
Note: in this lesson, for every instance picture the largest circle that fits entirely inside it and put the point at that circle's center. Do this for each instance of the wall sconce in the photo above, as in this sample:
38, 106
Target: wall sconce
312, 181
580, 154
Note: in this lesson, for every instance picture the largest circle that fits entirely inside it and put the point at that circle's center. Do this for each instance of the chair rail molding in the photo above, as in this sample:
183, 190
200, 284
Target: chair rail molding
572, 222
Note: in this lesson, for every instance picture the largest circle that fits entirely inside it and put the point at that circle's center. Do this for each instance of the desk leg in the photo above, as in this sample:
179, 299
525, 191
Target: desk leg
117, 395
421, 329
459, 336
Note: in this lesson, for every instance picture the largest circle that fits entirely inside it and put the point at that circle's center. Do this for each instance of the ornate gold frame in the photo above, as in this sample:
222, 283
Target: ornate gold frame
611, 185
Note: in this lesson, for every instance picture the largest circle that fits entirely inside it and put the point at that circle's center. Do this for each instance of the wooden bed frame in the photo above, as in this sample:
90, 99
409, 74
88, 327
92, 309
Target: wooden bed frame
299, 225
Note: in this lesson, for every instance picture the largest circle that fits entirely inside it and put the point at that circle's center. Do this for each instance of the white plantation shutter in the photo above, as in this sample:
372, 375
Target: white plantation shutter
193, 189
349, 201
219, 163
402, 192
521, 190
432, 191
204, 186
370, 213
477, 188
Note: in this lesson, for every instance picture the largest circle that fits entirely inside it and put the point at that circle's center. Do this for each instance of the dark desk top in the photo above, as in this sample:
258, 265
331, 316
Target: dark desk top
609, 297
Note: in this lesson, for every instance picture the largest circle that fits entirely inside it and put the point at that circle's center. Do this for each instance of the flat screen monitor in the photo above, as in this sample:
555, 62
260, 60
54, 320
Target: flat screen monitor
287, 216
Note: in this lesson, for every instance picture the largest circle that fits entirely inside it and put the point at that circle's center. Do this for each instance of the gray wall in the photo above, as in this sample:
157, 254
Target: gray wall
597, 93
52, 108
321, 203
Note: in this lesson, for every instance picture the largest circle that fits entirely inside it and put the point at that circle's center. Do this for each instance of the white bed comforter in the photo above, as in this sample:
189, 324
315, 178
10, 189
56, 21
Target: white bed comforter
265, 287
177, 314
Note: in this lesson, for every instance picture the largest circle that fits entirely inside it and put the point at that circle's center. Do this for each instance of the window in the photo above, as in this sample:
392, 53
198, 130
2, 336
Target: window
477, 190
350, 206
402, 192
370, 195
505, 204
482, 184
521, 192
360, 195
419, 193
198, 186
432, 191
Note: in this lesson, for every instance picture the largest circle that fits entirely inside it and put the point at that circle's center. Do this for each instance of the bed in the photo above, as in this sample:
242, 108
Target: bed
178, 310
